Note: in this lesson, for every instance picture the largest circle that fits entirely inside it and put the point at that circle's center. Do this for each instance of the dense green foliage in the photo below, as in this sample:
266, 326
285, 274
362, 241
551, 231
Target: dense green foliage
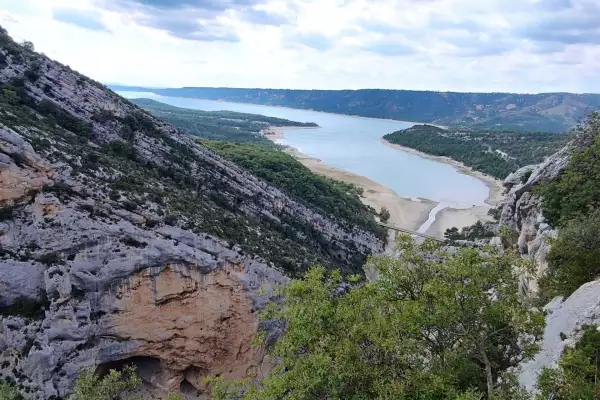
578, 374
436, 325
90, 386
217, 125
523, 112
283, 171
574, 257
384, 214
572, 203
577, 191
473, 232
480, 150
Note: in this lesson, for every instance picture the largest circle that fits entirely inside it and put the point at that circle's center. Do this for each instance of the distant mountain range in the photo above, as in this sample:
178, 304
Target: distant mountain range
551, 112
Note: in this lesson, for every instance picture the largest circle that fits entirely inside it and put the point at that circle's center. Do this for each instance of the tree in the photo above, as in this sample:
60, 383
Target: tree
436, 325
90, 386
573, 257
384, 214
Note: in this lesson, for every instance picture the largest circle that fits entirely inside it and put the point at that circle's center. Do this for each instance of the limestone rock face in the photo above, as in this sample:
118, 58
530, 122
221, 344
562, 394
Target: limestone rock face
179, 305
522, 210
21, 169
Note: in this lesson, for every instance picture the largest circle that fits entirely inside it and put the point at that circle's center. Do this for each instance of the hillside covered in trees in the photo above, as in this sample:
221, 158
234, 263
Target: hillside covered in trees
217, 125
546, 112
493, 153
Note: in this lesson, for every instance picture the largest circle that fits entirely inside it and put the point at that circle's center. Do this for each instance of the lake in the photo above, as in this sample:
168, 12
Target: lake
353, 144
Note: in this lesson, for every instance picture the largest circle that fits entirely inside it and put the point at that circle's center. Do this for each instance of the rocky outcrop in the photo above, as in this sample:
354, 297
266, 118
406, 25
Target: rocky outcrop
564, 322
522, 211
21, 169
183, 303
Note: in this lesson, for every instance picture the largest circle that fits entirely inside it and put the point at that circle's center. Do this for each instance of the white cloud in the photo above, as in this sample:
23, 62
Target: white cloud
461, 45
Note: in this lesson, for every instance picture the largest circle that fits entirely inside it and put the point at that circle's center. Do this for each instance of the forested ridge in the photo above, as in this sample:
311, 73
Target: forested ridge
218, 125
285, 172
493, 153
545, 112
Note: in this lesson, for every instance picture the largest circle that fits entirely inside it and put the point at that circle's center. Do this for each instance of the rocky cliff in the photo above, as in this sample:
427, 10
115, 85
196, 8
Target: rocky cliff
124, 241
522, 211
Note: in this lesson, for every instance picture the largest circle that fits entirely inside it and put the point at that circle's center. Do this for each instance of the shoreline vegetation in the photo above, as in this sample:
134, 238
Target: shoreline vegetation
404, 212
494, 154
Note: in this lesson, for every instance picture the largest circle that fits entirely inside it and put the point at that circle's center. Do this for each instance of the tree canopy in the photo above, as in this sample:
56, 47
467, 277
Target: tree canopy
435, 325
493, 153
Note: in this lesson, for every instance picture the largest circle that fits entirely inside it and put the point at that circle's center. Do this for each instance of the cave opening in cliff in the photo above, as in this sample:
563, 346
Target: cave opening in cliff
187, 389
147, 368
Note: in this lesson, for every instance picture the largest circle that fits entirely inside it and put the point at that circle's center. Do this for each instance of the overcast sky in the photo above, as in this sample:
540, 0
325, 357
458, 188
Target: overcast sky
460, 45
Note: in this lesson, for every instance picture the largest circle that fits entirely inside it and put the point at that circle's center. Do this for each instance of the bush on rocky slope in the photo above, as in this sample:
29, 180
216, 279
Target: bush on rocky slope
574, 257
577, 191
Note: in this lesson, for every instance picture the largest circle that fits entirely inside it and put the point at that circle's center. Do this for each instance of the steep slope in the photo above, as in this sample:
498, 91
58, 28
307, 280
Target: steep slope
522, 210
546, 112
124, 240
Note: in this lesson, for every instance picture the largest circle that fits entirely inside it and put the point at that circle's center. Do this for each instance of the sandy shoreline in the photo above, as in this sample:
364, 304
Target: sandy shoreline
494, 185
406, 213
274, 133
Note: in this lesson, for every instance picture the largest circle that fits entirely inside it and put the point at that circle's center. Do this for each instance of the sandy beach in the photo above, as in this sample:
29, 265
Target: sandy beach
405, 213
452, 217
495, 185
275, 133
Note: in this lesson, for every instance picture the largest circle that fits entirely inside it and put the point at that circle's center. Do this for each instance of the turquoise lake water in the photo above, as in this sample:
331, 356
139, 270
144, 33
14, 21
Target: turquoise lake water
353, 144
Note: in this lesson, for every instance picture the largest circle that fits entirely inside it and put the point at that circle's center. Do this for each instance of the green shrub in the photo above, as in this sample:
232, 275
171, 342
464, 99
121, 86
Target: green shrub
122, 149
473, 232
90, 386
384, 214
574, 257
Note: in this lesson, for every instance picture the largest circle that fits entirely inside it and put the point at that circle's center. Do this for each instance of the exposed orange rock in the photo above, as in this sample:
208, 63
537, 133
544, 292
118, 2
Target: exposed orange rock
15, 181
194, 324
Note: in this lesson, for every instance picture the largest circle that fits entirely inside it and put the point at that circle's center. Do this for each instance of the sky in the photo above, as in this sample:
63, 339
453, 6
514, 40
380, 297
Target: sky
525, 46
